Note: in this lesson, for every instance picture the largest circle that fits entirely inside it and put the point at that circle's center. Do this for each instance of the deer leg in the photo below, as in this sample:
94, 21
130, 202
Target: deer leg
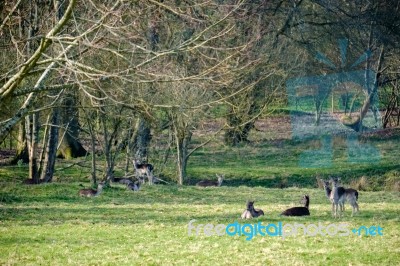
140, 178
337, 211
342, 208
150, 176
334, 210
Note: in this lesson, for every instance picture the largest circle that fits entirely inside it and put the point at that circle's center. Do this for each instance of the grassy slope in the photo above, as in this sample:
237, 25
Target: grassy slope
276, 163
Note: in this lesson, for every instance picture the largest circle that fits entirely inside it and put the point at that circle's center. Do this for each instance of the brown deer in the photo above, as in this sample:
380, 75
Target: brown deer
88, 192
251, 212
299, 211
211, 183
345, 194
142, 170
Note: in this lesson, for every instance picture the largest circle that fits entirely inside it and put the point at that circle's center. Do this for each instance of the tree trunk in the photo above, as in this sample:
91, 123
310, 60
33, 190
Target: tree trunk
32, 142
237, 133
22, 148
142, 140
355, 123
51, 149
70, 146
182, 141
181, 162
107, 148
93, 146
242, 114
131, 134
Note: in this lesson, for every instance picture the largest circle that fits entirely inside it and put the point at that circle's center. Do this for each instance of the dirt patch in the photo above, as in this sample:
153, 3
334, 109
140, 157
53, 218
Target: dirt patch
274, 128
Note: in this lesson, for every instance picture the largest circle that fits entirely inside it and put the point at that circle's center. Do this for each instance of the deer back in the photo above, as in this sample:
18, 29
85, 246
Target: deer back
207, 183
87, 192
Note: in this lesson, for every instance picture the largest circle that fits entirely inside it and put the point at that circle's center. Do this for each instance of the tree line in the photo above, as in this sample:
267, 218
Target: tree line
120, 71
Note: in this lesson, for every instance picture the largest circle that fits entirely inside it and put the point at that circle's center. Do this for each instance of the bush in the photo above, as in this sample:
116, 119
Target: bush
361, 184
392, 181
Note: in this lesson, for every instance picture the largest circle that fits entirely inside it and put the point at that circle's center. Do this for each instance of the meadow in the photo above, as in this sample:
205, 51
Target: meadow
49, 224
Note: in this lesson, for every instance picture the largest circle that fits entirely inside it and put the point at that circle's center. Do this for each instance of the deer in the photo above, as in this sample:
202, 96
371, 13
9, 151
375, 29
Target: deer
211, 183
143, 169
349, 194
121, 180
88, 192
135, 186
251, 212
336, 197
299, 211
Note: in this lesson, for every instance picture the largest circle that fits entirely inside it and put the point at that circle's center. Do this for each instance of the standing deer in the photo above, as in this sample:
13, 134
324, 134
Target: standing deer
88, 192
348, 194
211, 183
328, 192
142, 170
299, 211
336, 197
251, 212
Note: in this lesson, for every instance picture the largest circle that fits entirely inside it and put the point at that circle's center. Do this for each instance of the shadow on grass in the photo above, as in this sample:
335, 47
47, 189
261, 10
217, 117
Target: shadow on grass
142, 216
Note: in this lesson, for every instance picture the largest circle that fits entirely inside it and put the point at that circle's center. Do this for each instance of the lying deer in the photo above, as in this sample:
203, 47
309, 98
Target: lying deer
135, 186
122, 180
251, 212
343, 193
142, 170
299, 211
211, 183
88, 192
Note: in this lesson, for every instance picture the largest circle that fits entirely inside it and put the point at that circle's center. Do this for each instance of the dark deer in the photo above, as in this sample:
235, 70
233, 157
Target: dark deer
142, 170
122, 180
88, 192
135, 186
211, 183
299, 211
251, 212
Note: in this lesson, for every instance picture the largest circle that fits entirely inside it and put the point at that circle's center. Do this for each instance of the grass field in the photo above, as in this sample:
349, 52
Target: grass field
49, 224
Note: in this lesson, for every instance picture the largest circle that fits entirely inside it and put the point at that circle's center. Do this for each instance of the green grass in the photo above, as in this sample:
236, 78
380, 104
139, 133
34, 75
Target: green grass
276, 163
50, 225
